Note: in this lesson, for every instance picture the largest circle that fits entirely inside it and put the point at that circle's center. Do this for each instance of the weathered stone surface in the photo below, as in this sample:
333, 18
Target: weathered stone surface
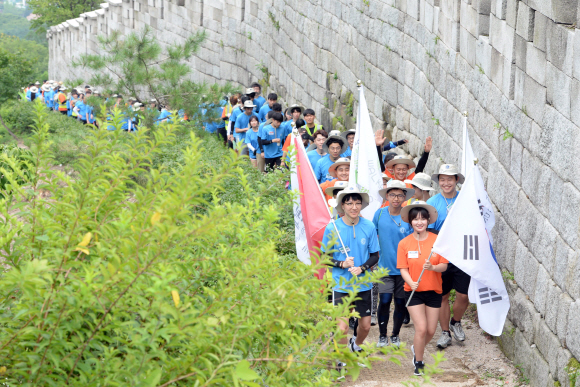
540, 30
525, 22
573, 336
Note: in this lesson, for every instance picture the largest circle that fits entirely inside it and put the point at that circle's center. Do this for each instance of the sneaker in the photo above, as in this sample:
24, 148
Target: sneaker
396, 341
383, 341
413, 350
457, 331
444, 341
351, 346
340, 367
373, 321
351, 340
419, 368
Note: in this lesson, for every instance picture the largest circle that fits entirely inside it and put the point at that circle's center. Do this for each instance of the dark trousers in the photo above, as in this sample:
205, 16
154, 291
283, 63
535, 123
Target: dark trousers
273, 163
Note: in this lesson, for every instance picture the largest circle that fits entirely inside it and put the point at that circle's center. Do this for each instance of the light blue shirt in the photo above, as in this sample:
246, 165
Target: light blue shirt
273, 150
82, 109
242, 122
391, 230
264, 110
347, 153
321, 169
443, 206
313, 157
259, 102
252, 139
360, 248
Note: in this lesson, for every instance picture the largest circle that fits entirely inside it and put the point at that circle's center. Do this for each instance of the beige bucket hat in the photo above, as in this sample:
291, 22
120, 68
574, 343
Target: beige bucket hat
249, 104
449, 170
34, 89
396, 184
400, 160
348, 191
421, 181
386, 177
293, 106
432, 211
337, 163
347, 132
336, 137
339, 185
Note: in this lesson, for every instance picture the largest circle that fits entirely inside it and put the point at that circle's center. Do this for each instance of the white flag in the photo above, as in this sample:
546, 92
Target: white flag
365, 168
463, 241
467, 156
299, 229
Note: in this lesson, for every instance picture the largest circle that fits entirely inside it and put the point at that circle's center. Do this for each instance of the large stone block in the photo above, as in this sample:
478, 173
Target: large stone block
551, 316
564, 357
524, 316
469, 18
573, 336
560, 47
467, 46
526, 270
512, 12
542, 290
525, 22
564, 311
575, 101
529, 95
573, 274
536, 64
570, 213
549, 346
502, 38
558, 86
499, 8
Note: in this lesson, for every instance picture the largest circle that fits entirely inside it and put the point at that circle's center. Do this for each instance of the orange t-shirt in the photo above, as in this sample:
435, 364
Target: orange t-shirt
410, 177
408, 247
326, 185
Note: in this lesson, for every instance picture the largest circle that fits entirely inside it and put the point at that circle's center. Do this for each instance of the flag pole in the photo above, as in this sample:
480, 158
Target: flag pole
419, 280
294, 132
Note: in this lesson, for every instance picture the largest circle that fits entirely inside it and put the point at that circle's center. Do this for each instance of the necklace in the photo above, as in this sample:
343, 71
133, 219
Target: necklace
398, 224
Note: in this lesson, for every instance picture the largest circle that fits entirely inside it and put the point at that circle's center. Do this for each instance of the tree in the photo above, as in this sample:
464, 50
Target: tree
15, 72
53, 12
36, 53
138, 66
111, 282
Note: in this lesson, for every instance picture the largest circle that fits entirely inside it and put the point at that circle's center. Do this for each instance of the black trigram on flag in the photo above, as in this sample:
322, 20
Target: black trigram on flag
486, 296
471, 247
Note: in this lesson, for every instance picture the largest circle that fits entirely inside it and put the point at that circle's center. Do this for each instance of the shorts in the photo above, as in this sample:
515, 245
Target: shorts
429, 298
273, 163
455, 278
252, 155
363, 304
393, 284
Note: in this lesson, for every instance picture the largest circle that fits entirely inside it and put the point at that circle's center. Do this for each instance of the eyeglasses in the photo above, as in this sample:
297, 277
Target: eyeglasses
393, 196
352, 204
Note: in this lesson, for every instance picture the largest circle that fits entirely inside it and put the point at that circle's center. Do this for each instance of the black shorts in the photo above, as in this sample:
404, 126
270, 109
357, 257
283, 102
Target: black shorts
363, 304
393, 284
430, 298
455, 278
273, 163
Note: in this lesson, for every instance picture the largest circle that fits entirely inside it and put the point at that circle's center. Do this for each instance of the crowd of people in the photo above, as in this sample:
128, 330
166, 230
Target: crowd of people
75, 103
399, 237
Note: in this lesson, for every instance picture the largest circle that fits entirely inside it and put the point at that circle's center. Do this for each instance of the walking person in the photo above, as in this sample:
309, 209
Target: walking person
270, 141
413, 259
453, 277
252, 140
391, 230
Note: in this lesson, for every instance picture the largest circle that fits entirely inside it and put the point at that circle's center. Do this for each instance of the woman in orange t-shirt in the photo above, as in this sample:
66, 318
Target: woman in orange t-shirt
412, 255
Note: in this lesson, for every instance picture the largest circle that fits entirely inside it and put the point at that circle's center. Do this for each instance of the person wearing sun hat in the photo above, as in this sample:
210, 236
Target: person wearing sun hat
359, 254
391, 230
386, 157
295, 111
348, 135
421, 182
334, 145
453, 278
331, 192
242, 124
413, 255
33, 93
401, 165
339, 171
386, 179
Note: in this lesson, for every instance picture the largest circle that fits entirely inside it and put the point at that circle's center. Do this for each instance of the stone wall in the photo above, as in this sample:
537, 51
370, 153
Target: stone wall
514, 66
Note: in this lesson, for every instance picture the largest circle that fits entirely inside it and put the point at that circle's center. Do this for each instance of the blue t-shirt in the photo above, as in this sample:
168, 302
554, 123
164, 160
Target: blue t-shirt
221, 123
264, 110
235, 113
259, 102
82, 110
391, 230
321, 169
440, 204
242, 121
347, 153
28, 92
49, 98
313, 157
164, 114
359, 248
89, 112
273, 150
252, 139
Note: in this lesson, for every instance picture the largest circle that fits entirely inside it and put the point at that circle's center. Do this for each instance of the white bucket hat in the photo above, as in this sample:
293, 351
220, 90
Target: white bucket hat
337, 163
250, 90
396, 184
45, 87
432, 211
336, 137
137, 104
249, 104
289, 109
339, 185
348, 191
449, 170
400, 160
347, 132
34, 89
421, 181
384, 176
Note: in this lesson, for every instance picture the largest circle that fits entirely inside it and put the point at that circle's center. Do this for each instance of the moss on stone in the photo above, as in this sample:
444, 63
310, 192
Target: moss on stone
573, 371
349, 103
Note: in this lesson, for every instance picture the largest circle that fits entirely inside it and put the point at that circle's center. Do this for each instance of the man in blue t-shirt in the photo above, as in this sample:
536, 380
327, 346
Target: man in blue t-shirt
271, 139
334, 146
391, 230
242, 125
453, 277
319, 137
259, 101
81, 109
359, 254
272, 99
349, 137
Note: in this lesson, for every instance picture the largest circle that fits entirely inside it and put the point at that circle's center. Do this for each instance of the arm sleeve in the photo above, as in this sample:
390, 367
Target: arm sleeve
373, 260
260, 145
334, 263
422, 162
380, 153
392, 144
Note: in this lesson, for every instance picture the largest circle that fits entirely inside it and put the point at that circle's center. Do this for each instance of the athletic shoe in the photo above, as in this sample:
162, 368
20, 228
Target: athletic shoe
419, 368
407, 318
383, 341
373, 321
351, 340
457, 331
340, 366
413, 350
444, 341
351, 346
396, 341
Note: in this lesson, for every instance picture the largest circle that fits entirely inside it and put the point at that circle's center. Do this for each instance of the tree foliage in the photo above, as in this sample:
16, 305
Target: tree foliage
35, 52
15, 71
53, 12
138, 66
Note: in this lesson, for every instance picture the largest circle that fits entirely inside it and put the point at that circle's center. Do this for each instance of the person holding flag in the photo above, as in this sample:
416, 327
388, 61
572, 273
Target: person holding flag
359, 254
421, 270
453, 278
391, 230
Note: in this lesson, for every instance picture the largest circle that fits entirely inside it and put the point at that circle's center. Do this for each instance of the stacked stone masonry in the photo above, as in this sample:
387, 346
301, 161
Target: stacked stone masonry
514, 66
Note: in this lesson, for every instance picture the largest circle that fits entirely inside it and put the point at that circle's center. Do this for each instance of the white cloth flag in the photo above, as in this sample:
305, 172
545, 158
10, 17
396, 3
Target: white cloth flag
365, 168
467, 156
463, 241
302, 250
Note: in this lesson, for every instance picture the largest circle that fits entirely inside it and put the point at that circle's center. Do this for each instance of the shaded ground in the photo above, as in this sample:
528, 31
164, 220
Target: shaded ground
476, 362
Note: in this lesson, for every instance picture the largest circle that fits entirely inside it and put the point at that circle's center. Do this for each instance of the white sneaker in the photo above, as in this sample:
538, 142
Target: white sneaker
444, 341
396, 341
383, 341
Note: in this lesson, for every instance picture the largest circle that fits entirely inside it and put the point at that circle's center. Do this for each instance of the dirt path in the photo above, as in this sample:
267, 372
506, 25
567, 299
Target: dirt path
476, 362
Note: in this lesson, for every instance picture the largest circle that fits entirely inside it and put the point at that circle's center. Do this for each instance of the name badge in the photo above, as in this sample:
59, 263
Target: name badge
271, 133
413, 254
